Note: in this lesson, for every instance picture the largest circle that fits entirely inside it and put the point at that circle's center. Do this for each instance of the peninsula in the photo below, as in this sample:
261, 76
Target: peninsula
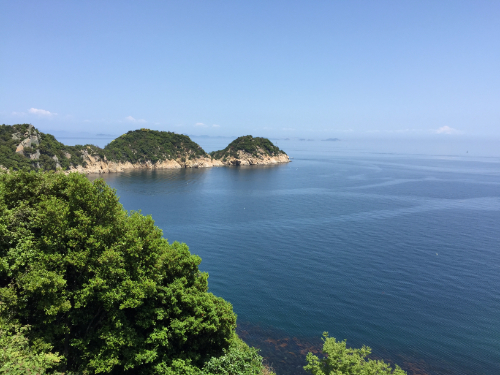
23, 146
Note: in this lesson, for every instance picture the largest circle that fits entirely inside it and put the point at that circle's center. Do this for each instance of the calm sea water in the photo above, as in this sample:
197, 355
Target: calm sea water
396, 250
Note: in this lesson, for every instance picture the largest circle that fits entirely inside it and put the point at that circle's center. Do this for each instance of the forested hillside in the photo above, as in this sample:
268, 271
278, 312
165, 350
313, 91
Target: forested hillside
23, 146
255, 146
144, 144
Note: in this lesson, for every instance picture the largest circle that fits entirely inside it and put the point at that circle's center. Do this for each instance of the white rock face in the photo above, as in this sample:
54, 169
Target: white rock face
29, 139
245, 158
95, 164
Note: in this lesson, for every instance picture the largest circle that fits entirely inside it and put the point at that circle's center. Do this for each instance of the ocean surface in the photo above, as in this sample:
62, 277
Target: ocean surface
383, 243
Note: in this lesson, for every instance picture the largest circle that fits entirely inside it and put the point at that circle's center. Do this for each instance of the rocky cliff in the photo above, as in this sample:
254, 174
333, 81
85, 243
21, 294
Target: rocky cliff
242, 157
96, 164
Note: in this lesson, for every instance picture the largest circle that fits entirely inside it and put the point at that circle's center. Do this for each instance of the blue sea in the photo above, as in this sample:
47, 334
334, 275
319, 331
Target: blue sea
389, 244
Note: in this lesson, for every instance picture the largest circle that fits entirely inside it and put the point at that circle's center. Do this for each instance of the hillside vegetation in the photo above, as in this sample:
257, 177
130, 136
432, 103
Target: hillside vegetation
23, 146
255, 146
142, 145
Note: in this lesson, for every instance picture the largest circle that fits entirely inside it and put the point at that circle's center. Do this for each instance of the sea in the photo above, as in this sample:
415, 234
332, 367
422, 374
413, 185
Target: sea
393, 244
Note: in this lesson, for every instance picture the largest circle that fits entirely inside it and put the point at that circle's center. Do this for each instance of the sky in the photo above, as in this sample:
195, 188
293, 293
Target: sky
313, 69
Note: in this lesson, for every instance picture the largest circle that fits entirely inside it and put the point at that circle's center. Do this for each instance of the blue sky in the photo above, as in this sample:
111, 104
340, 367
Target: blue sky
268, 68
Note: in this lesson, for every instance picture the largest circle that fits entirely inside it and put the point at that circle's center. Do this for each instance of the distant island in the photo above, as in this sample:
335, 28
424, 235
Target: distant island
248, 150
331, 140
22, 146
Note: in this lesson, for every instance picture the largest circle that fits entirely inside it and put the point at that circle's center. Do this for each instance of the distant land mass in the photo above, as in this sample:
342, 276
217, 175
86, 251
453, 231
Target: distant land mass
331, 140
22, 146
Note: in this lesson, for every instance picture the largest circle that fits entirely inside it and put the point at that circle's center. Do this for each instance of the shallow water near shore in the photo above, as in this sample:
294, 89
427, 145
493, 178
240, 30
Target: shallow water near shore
395, 250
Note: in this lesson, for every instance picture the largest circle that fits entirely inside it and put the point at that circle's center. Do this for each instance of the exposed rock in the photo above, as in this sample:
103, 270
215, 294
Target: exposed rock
35, 156
94, 164
32, 138
56, 159
261, 158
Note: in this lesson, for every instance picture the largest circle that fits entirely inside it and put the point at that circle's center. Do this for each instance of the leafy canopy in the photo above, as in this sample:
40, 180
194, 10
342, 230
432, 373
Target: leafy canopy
101, 286
340, 360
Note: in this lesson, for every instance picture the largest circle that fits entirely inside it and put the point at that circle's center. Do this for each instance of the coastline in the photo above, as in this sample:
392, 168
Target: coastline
97, 165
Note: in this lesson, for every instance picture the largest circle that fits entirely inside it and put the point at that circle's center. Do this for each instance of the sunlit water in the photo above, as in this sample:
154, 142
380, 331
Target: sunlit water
396, 250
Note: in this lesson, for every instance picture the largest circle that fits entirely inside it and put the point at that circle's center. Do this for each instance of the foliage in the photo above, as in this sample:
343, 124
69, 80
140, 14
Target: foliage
51, 152
144, 144
340, 360
239, 359
101, 285
249, 144
17, 356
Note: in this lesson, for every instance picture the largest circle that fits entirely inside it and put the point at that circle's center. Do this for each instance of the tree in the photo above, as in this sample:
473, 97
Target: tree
99, 285
17, 356
340, 360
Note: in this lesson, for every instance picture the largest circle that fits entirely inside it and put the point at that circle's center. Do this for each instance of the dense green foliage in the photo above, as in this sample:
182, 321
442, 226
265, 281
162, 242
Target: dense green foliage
249, 144
340, 360
142, 145
101, 286
49, 153
18, 357
238, 359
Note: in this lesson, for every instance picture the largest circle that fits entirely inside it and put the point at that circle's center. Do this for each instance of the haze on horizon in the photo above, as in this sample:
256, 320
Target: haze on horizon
274, 69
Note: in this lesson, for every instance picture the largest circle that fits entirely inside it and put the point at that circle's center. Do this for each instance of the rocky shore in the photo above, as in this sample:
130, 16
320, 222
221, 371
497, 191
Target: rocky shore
96, 164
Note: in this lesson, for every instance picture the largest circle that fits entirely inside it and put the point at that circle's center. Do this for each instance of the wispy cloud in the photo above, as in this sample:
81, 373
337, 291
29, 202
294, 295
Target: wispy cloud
41, 112
200, 124
288, 129
18, 114
132, 119
215, 126
447, 130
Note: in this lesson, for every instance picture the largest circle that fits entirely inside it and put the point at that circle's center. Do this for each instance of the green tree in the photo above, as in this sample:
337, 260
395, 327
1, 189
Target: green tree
17, 356
100, 285
340, 360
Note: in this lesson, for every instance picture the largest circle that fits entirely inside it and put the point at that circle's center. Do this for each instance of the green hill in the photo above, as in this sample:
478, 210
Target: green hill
144, 144
256, 146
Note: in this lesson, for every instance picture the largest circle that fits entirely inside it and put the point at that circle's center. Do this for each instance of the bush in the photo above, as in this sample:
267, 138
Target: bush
340, 360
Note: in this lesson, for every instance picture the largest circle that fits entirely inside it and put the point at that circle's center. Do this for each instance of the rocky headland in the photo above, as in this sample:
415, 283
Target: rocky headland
23, 146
